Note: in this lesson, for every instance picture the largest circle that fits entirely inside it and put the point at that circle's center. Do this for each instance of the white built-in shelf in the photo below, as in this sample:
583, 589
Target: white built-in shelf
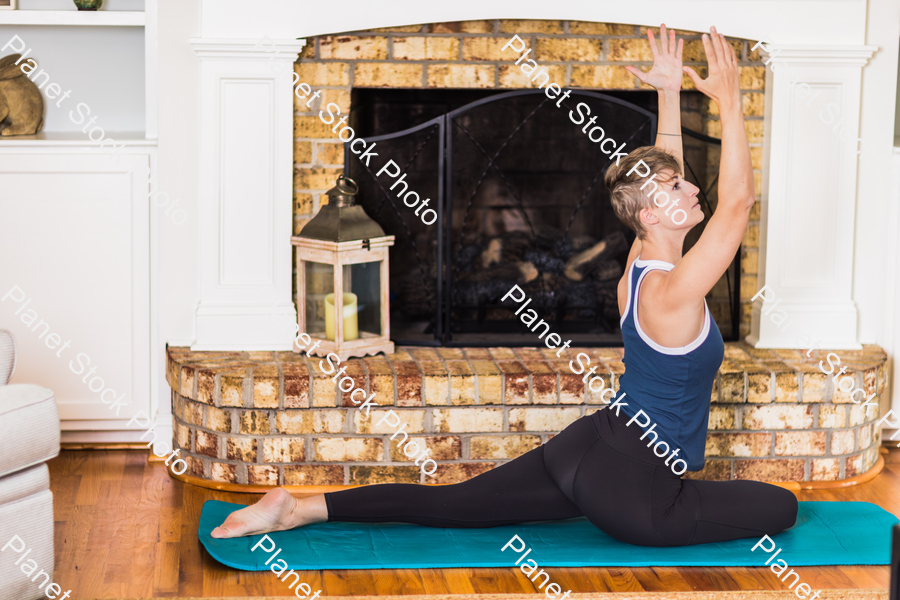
92, 18
74, 139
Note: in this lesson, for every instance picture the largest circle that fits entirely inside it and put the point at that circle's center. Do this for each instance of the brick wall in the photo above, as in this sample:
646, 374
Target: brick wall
274, 418
467, 55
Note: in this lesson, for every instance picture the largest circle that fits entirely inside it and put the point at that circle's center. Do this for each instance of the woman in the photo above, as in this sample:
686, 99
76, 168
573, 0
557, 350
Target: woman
599, 466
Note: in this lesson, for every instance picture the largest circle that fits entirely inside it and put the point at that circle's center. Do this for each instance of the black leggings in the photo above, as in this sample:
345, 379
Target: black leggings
597, 468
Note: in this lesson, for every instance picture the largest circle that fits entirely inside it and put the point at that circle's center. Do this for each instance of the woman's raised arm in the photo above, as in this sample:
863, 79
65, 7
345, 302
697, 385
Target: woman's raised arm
696, 274
665, 76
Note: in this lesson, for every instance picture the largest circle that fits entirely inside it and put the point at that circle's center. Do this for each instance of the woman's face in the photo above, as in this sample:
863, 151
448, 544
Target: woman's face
675, 202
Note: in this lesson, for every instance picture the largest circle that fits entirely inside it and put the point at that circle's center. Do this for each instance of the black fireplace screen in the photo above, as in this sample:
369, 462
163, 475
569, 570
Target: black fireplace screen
518, 190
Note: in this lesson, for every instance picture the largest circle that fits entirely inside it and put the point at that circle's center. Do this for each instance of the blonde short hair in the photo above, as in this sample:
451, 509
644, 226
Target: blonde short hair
625, 189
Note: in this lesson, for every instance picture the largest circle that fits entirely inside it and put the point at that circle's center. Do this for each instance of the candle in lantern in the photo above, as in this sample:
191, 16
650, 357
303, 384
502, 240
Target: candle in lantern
351, 331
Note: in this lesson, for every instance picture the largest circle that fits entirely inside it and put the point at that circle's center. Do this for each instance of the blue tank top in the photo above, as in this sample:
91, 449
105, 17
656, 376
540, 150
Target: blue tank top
671, 385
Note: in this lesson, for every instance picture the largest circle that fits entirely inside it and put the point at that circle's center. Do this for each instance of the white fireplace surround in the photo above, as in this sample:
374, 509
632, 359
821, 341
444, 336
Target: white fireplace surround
829, 217
807, 258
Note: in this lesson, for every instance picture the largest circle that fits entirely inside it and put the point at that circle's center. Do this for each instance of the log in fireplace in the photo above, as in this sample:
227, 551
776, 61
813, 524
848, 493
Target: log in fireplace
518, 189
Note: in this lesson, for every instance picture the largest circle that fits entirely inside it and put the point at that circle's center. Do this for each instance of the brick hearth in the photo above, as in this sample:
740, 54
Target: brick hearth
274, 418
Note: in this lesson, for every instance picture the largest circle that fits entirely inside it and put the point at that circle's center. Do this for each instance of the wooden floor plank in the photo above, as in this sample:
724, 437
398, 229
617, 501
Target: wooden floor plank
193, 559
572, 578
622, 579
338, 583
169, 524
398, 581
93, 557
348, 583
141, 574
867, 576
486, 581
459, 581
70, 554
65, 490
89, 486
718, 578
661, 579
433, 581
165, 572
124, 528
752, 578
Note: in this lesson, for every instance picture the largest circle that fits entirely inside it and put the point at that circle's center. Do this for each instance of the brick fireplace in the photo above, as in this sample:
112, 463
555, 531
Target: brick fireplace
468, 55
274, 418
246, 416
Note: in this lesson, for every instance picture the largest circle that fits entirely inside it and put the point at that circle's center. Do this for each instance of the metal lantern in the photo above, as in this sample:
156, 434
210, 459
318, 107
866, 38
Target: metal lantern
342, 278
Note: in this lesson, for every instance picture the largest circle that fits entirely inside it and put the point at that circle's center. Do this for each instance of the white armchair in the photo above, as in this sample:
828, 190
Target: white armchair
29, 436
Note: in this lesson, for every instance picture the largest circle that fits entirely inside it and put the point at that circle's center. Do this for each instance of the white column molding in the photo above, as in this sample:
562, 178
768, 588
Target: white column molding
809, 195
245, 194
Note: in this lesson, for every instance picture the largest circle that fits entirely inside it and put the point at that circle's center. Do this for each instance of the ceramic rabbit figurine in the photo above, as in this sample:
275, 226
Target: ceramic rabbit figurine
21, 102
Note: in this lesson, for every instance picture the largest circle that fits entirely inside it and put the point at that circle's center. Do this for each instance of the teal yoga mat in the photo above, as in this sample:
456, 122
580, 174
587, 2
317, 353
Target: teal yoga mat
826, 533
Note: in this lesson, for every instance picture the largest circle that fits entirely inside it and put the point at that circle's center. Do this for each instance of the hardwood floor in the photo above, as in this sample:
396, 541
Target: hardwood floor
124, 529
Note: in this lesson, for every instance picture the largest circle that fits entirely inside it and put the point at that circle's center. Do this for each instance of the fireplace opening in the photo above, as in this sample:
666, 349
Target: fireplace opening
518, 190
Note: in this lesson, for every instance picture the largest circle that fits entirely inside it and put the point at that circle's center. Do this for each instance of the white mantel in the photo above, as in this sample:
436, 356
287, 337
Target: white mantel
791, 21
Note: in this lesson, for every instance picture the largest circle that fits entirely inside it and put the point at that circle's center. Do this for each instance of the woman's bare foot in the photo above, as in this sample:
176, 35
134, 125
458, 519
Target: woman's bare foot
276, 511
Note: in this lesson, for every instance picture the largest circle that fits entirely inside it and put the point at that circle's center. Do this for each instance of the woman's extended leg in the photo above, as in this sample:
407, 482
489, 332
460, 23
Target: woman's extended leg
519, 491
516, 492
597, 467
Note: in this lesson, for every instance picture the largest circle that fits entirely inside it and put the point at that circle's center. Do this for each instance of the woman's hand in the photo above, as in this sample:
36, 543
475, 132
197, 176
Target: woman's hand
724, 82
665, 75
